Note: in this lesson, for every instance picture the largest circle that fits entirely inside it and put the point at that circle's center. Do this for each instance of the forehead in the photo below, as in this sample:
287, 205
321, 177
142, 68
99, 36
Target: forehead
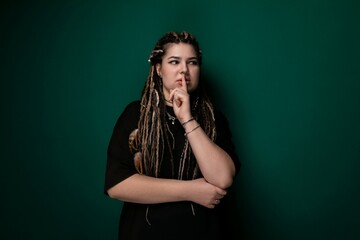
179, 49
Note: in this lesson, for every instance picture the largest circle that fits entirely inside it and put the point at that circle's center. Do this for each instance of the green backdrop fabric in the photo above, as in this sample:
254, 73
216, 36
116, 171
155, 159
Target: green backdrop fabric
286, 73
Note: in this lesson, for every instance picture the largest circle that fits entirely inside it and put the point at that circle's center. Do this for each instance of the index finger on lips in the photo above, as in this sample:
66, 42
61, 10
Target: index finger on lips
183, 83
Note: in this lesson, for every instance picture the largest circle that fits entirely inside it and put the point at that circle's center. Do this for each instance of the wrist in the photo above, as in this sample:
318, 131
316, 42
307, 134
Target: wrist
190, 125
187, 121
185, 190
192, 130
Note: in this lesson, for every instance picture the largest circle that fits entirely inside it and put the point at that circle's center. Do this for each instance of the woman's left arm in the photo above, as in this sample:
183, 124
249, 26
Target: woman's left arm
216, 165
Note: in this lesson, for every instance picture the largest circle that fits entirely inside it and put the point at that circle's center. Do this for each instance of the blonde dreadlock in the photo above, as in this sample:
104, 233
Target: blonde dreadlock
152, 137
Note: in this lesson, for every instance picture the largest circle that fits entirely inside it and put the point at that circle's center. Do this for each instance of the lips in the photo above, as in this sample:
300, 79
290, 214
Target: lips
180, 80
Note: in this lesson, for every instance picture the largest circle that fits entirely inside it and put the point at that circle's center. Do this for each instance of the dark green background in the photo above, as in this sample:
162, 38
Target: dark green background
286, 73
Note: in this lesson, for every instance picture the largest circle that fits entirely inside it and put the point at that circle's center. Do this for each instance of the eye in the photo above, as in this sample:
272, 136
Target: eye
174, 62
193, 62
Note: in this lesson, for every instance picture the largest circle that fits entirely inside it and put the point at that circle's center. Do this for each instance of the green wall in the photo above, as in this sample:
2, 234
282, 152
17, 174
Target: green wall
286, 73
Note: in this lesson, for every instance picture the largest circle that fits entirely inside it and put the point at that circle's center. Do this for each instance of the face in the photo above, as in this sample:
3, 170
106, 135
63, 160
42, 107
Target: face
179, 61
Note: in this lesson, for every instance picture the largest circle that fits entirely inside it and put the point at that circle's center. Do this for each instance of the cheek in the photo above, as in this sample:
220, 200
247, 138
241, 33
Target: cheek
193, 86
195, 78
168, 72
196, 74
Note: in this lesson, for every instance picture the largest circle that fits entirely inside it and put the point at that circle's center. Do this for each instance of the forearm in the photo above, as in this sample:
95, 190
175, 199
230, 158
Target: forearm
215, 164
149, 190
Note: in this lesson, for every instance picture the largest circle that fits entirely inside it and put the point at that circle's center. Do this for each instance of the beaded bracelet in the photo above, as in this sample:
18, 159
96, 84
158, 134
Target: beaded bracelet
187, 133
184, 123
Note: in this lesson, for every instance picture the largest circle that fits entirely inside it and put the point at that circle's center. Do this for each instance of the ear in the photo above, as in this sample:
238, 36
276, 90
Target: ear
158, 69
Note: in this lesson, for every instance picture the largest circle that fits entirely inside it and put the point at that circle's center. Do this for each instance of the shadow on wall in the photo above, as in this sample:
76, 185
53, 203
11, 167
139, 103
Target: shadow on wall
229, 209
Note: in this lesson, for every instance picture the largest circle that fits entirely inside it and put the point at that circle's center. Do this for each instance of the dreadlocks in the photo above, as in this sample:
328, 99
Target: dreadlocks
153, 136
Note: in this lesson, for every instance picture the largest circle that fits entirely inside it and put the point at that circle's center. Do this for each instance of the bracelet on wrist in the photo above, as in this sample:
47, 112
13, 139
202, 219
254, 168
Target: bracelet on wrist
184, 123
187, 133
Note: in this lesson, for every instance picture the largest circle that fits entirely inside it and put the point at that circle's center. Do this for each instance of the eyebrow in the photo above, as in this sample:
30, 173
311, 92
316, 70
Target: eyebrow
175, 57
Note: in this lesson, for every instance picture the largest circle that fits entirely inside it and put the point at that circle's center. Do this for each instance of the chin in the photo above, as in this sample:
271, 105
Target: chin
191, 90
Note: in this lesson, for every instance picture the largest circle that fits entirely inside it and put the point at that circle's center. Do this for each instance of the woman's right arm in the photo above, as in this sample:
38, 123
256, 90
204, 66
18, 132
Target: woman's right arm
149, 190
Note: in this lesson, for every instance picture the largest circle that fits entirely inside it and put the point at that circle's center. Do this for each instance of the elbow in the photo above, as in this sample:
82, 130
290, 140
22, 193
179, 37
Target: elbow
114, 193
222, 180
226, 183
111, 193
227, 180
120, 191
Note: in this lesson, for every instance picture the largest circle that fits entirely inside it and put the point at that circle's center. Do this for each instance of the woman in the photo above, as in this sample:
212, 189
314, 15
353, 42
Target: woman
171, 158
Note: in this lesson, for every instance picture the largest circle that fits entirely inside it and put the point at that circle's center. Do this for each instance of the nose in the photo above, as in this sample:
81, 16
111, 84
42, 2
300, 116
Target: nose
184, 68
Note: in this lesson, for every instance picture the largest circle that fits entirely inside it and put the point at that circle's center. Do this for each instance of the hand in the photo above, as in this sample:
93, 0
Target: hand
181, 101
205, 194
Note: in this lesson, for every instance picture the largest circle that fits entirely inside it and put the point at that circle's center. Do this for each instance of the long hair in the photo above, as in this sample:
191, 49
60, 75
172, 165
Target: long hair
152, 137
